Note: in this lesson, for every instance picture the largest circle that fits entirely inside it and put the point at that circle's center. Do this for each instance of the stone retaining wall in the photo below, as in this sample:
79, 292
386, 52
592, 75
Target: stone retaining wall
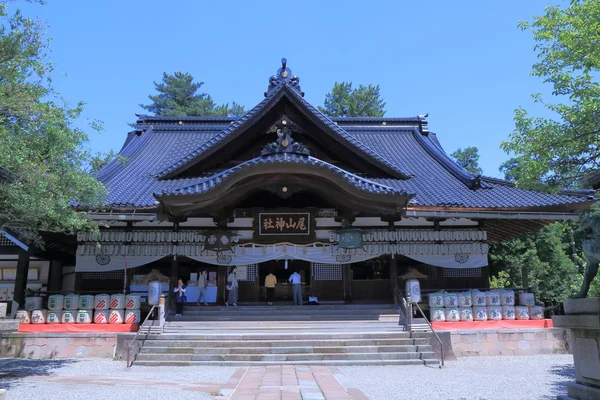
57, 345
504, 342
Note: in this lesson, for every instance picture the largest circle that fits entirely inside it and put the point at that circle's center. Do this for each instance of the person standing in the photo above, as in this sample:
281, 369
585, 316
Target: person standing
270, 282
179, 297
296, 281
202, 285
232, 287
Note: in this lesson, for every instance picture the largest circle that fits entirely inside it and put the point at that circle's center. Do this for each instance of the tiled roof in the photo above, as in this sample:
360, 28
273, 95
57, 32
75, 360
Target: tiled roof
210, 182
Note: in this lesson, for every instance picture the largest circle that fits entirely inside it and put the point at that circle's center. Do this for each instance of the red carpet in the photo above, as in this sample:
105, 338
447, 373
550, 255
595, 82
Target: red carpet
483, 325
78, 328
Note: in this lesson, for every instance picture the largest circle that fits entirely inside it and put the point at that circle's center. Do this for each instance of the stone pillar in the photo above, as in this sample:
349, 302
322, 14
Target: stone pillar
55, 276
583, 319
21, 279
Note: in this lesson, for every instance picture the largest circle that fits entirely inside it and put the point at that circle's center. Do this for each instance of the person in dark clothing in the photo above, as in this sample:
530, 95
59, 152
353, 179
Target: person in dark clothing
179, 297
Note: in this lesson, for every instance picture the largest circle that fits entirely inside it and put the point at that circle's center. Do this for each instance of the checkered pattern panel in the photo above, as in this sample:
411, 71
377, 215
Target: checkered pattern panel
5, 242
463, 273
108, 275
251, 274
327, 272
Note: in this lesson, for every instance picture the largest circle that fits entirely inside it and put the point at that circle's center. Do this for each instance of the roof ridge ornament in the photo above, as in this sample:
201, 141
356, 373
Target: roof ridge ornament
284, 75
285, 143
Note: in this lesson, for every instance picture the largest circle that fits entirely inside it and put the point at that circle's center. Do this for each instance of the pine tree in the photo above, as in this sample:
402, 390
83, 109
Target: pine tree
343, 101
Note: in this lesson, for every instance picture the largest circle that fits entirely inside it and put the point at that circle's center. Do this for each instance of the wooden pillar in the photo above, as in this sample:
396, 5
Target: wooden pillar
221, 282
347, 280
21, 279
393, 263
55, 276
174, 274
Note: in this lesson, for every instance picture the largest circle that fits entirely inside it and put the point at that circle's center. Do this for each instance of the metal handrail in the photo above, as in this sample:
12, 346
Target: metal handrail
435, 334
136, 335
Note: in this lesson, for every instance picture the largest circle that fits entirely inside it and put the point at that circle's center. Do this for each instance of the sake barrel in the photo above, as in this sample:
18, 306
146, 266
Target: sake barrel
522, 312
133, 302
84, 316
413, 289
436, 299
101, 302
526, 299
56, 302
465, 299
437, 314
132, 316
536, 312
153, 293
71, 302
101, 317
508, 312
24, 316
33, 303
450, 300
116, 316
54, 317
507, 298
494, 313
492, 298
39, 316
452, 315
479, 298
480, 313
117, 301
86, 302
69, 316
465, 314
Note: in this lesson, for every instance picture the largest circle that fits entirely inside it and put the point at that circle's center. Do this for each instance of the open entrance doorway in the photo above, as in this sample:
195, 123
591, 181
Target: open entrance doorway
283, 289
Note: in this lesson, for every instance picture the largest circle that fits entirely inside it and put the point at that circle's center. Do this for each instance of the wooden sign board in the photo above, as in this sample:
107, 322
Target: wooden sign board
284, 224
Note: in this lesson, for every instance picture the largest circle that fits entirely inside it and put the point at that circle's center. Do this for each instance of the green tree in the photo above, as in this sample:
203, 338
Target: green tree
343, 101
44, 162
178, 96
468, 159
559, 150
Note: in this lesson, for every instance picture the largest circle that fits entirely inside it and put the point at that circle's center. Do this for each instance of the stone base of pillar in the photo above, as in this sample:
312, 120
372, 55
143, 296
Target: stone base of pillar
578, 391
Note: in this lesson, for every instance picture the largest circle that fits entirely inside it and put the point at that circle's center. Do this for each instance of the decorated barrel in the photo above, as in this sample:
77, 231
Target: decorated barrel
494, 313
33, 303
507, 298
56, 302
24, 316
84, 316
69, 316
154, 293
465, 299
522, 312
101, 302
54, 317
536, 312
465, 314
133, 302
132, 316
479, 298
526, 299
452, 314
39, 316
116, 316
437, 314
71, 302
480, 314
508, 312
86, 302
117, 301
436, 299
450, 300
492, 298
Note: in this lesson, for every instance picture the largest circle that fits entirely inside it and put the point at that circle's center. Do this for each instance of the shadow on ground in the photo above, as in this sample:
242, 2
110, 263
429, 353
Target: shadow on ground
562, 374
13, 369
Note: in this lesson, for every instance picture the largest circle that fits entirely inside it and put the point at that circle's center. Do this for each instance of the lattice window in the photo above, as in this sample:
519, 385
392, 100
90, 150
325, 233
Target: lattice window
326, 272
108, 275
463, 273
5, 242
251, 272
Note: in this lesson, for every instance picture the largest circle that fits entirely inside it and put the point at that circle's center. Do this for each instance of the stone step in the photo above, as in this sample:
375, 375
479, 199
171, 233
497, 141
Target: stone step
287, 350
307, 317
308, 335
266, 363
286, 343
284, 357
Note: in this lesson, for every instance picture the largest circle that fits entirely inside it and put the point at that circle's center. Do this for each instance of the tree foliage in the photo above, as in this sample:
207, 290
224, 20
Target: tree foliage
343, 101
42, 153
468, 159
559, 150
178, 96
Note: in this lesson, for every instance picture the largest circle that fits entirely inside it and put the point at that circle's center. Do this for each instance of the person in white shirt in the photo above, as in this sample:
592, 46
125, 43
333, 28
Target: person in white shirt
232, 287
180, 298
202, 284
296, 281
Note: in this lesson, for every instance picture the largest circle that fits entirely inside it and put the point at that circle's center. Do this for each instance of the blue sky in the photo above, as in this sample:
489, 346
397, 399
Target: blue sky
465, 63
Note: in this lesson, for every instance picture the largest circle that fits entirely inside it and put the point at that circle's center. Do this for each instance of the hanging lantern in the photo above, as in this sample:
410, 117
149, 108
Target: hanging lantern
350, 239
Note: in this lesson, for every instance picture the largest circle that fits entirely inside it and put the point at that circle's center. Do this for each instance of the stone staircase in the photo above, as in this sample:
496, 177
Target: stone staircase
308, 335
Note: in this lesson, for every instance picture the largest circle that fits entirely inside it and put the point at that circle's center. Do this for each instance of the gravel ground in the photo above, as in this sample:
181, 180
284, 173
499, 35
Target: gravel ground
470, 378
14, 373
